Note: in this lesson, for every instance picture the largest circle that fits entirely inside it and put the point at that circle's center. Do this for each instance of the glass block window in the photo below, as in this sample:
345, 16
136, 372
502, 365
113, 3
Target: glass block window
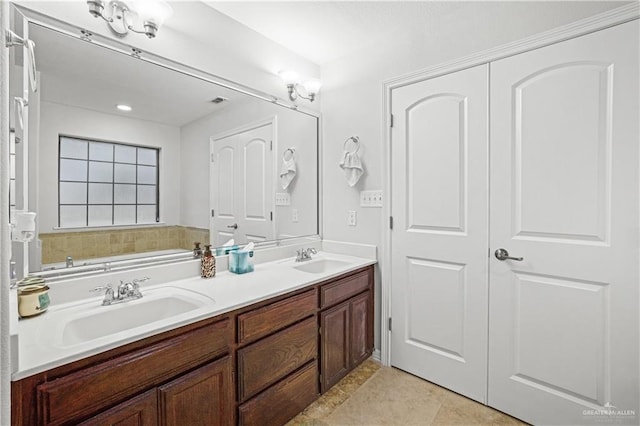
104, 183
12, 173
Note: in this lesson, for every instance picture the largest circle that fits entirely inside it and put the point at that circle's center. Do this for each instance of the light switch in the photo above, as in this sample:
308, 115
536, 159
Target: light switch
283, 199
371, 198
294, 215
352, 218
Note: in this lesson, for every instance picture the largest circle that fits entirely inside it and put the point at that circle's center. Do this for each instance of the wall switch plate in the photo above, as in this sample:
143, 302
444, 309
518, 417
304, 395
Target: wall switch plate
352, 218
294, 215
371, 198
283, 199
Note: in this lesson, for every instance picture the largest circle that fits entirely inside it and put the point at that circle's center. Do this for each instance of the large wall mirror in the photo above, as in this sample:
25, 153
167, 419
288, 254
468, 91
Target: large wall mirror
192, 161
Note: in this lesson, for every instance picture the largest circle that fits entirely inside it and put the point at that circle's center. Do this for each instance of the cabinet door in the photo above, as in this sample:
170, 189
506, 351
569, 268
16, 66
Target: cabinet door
202, 397
335, 363
139, 411
361, 338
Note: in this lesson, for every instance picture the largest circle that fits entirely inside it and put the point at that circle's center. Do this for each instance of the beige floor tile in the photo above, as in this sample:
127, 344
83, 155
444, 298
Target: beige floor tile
390, 397
381, 396
459, 410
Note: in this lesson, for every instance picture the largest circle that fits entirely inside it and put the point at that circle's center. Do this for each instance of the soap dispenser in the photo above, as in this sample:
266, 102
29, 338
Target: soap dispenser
207, 263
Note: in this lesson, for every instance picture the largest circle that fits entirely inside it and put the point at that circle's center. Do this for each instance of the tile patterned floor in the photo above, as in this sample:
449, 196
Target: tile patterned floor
375, 396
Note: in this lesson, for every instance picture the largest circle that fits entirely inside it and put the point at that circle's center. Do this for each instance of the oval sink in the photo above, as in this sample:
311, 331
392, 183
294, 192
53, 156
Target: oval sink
320, 266
155, 305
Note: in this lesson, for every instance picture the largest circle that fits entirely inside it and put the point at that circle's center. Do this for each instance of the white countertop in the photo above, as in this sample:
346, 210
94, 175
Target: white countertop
40, 346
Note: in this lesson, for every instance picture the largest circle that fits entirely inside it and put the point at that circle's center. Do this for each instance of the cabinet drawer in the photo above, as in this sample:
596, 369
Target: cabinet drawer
92, 389
283, 401
263, 321
344, 288
270, 359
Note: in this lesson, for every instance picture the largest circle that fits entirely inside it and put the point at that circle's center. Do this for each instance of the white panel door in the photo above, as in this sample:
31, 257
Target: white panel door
564, 195
241, 187
439, 238
256, 223
223, 188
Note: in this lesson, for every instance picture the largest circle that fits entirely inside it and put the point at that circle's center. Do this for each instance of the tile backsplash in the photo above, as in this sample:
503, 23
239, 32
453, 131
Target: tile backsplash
104, 243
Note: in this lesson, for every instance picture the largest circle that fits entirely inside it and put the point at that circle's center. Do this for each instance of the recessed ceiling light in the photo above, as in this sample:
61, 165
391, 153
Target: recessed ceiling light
123, 107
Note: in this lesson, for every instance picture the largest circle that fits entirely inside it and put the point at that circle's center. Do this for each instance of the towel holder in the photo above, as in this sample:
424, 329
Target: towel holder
356, 141
292, 152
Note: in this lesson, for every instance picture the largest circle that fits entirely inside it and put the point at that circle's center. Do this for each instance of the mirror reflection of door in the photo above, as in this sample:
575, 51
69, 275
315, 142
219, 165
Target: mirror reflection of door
241, 186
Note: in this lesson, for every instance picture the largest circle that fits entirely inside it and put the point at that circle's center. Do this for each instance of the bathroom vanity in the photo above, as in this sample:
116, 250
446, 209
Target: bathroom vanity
261, 363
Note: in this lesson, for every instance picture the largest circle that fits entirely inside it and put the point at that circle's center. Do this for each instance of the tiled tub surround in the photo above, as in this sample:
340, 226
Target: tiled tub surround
57, 246
274, 275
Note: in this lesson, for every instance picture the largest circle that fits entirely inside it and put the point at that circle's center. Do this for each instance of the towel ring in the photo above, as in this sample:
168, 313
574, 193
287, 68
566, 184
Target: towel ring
291, 150
356, 141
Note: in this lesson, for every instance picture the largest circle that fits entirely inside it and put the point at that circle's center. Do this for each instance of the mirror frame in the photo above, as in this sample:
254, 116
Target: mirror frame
29, 16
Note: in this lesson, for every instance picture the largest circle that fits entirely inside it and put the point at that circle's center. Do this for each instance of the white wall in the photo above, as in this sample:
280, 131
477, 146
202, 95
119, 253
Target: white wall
293, 129
5, 255
352, 97
56, 119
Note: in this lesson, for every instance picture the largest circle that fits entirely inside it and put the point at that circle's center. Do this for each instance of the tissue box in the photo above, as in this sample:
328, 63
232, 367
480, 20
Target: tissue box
221, 251
240, 262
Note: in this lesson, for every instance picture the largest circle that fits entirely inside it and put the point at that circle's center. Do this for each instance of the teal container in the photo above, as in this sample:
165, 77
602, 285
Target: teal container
240, 262
221, 251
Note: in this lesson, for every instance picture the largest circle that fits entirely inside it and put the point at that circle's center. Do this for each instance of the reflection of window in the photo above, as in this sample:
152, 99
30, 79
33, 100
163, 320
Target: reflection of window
12, 172
103, 183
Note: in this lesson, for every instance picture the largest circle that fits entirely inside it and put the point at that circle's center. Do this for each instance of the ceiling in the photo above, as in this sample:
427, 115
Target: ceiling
323, 31
81, 74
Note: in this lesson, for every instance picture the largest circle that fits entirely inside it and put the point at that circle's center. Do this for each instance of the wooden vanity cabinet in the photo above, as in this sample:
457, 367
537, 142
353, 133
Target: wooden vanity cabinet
118, 386
259, 365
277, 368
346, 326
139, 411
202, 397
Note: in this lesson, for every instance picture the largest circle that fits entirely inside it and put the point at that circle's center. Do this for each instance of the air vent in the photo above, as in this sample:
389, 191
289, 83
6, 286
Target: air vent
219, 100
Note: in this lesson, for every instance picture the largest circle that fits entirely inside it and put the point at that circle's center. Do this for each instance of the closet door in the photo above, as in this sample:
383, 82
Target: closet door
439, 238
563, 341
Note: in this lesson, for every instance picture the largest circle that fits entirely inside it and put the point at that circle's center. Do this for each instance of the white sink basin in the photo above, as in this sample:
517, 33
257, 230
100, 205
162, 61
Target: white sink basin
320, 266
156, 305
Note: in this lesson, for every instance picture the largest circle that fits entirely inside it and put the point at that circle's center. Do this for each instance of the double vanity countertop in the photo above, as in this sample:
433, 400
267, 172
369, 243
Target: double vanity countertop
77, 329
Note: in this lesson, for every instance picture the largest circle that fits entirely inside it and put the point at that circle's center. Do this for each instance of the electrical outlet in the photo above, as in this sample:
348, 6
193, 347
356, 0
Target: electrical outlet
294, 215
352, 218
283, 199
371, 198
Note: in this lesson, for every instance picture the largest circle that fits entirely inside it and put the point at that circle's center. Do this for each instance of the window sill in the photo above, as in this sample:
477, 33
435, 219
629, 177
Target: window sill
109, 227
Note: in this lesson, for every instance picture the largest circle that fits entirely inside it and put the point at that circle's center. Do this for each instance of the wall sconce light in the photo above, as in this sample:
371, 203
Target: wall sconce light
152, 13
311, 87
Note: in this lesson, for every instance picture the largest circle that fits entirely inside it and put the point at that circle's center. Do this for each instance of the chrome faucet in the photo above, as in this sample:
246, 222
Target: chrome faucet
126, 291
305, 254
69, 262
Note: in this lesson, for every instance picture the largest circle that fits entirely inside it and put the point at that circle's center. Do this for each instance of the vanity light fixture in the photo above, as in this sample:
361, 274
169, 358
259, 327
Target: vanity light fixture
152, 13
311, 86
123, 107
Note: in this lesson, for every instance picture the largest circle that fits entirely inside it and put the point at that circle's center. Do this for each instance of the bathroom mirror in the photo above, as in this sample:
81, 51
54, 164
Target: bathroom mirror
191, 161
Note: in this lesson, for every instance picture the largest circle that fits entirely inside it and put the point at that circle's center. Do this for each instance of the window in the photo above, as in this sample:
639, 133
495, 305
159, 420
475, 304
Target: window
104, 183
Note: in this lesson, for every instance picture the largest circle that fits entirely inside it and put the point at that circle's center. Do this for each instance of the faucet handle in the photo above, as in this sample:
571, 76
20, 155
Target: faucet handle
312, 250
101, 288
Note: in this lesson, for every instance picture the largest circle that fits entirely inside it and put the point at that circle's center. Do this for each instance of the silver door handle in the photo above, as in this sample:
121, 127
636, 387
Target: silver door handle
234, 226
502, 254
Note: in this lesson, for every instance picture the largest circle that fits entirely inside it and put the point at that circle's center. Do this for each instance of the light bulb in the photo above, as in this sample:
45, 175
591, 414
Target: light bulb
288, 76
155, 11
312, 86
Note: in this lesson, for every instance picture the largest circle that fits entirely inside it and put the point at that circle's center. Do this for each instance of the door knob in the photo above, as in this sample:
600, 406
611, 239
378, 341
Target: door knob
234, 226
502, 254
